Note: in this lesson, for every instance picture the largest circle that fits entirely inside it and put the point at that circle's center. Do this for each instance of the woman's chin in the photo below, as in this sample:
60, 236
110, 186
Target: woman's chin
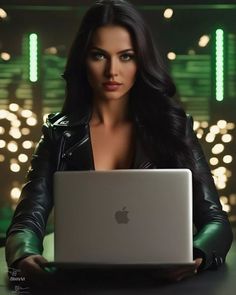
114, 96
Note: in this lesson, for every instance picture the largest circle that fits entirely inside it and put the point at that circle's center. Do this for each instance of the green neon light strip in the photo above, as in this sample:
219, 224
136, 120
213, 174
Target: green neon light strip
33, 57
219, 65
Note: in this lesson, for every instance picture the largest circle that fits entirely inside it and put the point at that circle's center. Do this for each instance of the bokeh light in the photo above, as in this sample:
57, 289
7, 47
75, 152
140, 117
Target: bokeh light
168, 13
15, 193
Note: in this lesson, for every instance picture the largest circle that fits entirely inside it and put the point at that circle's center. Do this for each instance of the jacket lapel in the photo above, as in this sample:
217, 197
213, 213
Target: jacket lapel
77, 154
76, 149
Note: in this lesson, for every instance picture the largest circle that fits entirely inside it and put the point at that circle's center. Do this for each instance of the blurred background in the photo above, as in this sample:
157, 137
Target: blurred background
197, 40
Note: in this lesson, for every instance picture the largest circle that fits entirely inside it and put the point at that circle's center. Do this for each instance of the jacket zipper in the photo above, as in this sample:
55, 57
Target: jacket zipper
70, 151
60, 164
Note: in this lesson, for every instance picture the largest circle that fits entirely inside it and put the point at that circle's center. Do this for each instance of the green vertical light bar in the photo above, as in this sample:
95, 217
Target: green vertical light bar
219, 64
33, 57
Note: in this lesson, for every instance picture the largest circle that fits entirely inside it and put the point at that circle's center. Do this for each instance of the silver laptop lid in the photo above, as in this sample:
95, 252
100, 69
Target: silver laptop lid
123, 216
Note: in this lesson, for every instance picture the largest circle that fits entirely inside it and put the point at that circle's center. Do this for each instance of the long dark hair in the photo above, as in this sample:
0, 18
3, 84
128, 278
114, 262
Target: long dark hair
151, 97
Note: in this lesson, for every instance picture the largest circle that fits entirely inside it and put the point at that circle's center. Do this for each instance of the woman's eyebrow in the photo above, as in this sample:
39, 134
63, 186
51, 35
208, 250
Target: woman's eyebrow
125, 50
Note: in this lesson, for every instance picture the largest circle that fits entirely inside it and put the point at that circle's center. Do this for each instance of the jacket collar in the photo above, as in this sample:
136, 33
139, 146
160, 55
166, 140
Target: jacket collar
72, 119
75, 119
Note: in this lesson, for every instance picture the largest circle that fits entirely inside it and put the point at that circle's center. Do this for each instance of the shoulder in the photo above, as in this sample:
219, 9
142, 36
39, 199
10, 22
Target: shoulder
49, 129
57, 124
189, 124
189, 119
189, 131
54, 119
67, 120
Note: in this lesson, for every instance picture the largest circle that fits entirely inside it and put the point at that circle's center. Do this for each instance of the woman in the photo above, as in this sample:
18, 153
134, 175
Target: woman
118, 114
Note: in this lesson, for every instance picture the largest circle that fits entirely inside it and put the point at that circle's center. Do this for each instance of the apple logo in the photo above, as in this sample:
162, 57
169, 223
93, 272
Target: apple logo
121, 216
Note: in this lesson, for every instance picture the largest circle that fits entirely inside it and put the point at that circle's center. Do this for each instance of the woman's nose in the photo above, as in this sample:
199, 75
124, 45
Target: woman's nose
112, 67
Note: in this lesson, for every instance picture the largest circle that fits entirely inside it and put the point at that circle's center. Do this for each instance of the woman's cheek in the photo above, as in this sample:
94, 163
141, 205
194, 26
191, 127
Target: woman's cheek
91, 75
131, 72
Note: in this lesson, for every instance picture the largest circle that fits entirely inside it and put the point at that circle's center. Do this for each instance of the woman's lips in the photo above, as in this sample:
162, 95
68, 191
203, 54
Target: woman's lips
111, 87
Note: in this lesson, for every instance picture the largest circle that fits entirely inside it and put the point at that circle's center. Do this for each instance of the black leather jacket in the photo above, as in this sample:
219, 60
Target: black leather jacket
65, 145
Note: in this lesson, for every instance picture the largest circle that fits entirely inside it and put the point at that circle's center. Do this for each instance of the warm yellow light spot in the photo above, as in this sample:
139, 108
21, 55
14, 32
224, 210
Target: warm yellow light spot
14, 107
25, 131
217, 149
219, 171
11, 117
5, 56
221, 185
223, 200
215, 179
23, 158
214, 129
45, 117
16, 123
15, 193
204, 124
51, 50
227, 159
2, 143
214, 161
210, 137
203, 41
168, 13
12, 146
230, 126
223, 178
226, 208
31, 121
221, 124
3, 114
226, 137
223, 131
15, 132
2, 158
15, 167
171, 55
200, 133
2, 130
26, 113
27, 144
3, 13
196, 125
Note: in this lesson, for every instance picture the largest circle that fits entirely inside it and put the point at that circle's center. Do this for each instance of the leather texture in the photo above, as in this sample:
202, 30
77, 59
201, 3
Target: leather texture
65, 145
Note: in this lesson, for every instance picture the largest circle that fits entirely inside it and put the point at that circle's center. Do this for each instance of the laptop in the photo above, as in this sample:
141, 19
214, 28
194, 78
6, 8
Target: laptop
123, 219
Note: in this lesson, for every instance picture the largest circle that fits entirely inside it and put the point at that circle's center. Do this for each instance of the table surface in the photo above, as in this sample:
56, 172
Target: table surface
210, 282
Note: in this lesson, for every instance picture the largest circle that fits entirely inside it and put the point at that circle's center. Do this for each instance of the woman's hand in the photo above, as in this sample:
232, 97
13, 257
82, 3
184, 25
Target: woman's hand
30, 269
182, 273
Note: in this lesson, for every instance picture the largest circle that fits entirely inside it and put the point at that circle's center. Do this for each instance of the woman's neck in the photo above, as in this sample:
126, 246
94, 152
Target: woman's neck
110, 113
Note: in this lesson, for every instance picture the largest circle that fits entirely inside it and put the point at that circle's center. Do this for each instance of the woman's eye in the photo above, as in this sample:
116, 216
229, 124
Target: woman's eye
97, 55
127, 57
101, 56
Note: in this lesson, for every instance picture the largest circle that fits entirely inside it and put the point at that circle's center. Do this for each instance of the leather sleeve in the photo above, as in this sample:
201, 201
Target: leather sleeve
26, 231
214, 234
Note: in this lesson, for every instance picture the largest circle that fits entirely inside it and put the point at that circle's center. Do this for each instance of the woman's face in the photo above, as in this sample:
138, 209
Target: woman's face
111, 57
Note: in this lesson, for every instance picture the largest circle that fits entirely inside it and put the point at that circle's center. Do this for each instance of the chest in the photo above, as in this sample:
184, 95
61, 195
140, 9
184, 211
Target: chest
112, 149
